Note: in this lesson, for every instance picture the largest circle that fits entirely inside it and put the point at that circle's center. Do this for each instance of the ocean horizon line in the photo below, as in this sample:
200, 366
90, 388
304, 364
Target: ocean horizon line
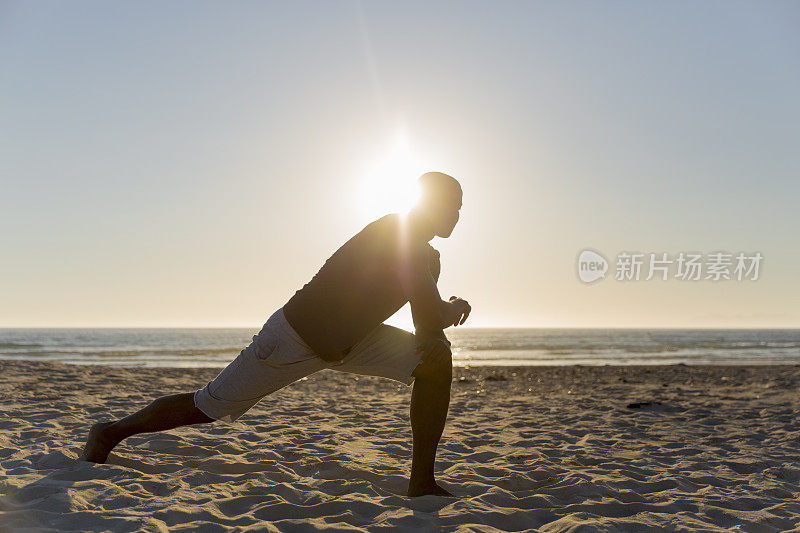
460, 328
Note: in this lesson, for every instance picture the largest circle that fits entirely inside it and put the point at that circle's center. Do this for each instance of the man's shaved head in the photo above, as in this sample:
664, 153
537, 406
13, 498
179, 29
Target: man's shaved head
437, 185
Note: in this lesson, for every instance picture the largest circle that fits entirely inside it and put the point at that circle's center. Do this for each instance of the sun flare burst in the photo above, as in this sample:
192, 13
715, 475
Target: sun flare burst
389, 185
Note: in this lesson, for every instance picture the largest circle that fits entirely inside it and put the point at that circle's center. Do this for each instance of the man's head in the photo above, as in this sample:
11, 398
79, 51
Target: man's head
439, 202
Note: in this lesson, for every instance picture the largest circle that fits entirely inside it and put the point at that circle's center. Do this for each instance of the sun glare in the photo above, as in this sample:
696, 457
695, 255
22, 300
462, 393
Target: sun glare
389, 184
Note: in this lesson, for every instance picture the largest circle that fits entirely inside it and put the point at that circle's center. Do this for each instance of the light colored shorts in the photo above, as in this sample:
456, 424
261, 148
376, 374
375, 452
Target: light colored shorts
278, 356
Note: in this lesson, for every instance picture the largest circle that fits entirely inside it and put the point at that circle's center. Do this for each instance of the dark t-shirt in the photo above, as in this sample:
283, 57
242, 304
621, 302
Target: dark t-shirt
356, 289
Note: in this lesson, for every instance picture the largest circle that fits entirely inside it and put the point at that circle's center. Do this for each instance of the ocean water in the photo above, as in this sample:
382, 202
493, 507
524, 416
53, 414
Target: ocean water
167, 347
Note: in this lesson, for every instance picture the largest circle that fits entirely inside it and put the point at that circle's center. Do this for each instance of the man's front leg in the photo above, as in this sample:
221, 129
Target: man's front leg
430, 401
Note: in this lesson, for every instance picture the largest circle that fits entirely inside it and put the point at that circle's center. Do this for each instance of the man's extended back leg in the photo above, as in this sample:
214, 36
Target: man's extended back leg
274, 359
167, 412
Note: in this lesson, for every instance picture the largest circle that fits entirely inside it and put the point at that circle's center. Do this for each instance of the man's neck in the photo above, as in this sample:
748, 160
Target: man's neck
418, 227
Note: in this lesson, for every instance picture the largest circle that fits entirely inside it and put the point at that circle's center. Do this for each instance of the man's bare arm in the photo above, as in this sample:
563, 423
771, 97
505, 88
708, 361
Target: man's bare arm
430, 313
427, 307
435, 268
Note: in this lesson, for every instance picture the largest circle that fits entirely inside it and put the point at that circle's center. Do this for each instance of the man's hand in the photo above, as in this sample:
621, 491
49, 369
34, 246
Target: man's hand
456, 311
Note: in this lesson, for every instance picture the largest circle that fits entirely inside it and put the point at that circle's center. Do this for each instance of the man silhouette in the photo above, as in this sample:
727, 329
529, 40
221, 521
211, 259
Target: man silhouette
335, 321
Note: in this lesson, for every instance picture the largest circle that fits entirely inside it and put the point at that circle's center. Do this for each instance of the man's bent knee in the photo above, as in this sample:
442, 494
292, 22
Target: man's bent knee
436, 367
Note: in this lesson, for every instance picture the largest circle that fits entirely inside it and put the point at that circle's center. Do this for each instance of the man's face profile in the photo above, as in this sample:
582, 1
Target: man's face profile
445, 213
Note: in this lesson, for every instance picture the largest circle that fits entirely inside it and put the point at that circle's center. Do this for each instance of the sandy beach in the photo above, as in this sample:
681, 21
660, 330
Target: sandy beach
547, 448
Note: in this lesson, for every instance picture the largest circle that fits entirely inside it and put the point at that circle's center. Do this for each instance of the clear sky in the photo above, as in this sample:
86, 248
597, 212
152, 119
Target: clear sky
195, 163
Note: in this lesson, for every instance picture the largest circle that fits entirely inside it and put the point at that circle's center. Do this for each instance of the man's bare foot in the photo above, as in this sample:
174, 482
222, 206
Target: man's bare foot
423, 489
98, 445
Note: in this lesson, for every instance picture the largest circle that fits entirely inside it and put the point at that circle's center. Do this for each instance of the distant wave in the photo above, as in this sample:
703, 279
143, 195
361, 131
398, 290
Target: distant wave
104, 353
19, 345
623, 347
